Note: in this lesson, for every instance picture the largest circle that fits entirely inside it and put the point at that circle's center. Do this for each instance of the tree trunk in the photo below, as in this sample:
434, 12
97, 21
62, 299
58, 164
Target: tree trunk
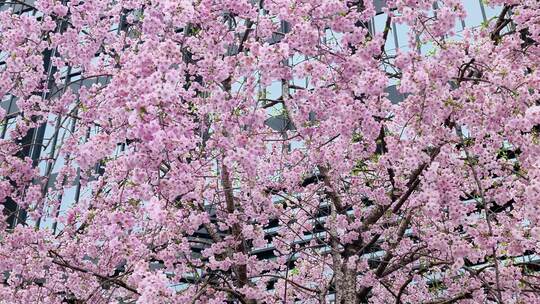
345, 285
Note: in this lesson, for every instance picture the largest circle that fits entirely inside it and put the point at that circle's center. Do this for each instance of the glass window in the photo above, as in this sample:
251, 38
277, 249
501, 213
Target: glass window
474, 13
6, 103
402, 33
7, 127
492, 11
380, 21
274, 90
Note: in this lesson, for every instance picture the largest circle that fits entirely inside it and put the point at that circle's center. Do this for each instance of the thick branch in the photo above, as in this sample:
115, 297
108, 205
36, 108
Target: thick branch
236, 229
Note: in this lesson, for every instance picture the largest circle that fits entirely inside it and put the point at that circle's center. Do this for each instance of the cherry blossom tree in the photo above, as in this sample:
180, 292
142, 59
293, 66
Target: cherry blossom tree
185, 158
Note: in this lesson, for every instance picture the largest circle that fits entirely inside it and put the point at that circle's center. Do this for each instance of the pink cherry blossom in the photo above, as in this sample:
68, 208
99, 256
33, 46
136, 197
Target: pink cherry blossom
269, 151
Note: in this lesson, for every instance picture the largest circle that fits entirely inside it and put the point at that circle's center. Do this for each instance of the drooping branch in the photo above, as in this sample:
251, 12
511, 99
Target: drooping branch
58, 260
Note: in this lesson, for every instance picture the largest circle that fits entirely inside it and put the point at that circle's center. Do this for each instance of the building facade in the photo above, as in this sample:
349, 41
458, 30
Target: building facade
41, 143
